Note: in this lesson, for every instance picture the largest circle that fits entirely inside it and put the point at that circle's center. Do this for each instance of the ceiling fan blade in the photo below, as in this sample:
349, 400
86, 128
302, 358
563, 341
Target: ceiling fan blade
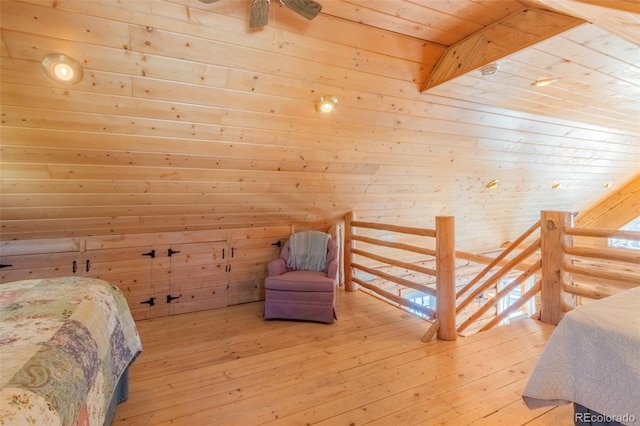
307, 8
259, 13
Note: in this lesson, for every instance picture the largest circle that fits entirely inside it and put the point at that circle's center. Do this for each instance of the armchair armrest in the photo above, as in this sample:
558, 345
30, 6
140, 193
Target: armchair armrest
277, 267
332, 269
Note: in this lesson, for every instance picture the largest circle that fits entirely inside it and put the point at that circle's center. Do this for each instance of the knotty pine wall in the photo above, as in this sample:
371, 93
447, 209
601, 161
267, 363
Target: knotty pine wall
615, 211
186, 120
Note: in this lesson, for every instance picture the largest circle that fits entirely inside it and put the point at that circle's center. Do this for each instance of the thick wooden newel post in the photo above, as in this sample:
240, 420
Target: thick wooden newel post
349, 285
446, 278
552, 242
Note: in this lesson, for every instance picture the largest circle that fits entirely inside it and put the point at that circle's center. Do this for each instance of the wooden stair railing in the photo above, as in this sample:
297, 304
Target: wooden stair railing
572, 271
476, 287
495, 278
552, 257
612, 268
443, 317
495, 262
505, 293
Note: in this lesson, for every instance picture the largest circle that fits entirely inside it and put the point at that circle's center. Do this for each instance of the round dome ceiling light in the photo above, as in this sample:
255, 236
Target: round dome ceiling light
488, 70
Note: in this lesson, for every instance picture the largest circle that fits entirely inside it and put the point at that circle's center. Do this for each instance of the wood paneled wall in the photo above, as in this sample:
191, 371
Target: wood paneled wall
186, 120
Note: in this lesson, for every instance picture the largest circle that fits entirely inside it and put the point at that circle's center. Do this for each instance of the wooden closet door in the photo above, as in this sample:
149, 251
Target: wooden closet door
129, 268
251, 250
196, 274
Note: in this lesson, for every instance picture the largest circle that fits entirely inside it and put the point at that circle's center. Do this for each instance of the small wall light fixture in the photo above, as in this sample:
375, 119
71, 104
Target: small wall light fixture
607, 185
62, 68
326, 104
493, 184
544, 82
556, 185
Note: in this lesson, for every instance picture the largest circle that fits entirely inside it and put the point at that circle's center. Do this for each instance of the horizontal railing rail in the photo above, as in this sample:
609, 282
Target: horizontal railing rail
422, 277
597, 270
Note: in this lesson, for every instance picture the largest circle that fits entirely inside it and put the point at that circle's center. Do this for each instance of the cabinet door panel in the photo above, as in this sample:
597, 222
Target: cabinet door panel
32, 266
130, 270
248, 266
250, 289
198, 275
246, 280
159, 290
104, 270
139, 298
198, 293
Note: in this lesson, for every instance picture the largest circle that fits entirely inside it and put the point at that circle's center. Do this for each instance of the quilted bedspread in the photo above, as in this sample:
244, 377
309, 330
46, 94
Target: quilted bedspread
64, 344
593, 359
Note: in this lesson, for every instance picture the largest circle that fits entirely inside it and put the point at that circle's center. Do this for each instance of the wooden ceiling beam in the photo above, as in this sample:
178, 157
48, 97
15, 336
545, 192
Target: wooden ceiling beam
620, 17
503, 38
624, 5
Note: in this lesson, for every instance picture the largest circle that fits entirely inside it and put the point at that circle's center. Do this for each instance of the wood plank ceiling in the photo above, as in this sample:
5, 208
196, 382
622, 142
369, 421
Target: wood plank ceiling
188, 119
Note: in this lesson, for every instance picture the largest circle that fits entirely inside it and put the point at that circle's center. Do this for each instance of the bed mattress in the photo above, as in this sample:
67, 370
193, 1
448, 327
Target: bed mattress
64, 345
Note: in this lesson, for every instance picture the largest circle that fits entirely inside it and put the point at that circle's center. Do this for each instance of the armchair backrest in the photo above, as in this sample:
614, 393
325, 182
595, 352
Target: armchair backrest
332, 252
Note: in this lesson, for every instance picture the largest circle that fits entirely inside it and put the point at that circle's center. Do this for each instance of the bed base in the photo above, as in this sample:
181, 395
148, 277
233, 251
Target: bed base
120, 394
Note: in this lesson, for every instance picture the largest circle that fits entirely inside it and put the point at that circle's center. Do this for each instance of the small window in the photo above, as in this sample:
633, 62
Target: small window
630, 244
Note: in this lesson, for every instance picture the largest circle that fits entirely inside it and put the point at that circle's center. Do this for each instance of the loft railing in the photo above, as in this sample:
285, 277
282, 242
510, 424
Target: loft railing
496, 270
443, 317
580, 265
565, 273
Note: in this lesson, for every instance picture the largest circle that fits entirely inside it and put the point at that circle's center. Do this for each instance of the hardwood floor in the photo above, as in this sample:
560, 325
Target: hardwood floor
230, 367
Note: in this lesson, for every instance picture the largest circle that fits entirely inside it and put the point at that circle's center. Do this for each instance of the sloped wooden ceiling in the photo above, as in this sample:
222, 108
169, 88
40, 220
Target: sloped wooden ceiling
187, 119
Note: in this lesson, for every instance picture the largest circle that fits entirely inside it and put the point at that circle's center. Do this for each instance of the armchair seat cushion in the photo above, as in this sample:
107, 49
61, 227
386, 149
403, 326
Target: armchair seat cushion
301, 281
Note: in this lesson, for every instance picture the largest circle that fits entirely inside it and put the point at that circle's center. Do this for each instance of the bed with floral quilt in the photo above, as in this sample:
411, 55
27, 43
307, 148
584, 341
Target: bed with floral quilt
65, 347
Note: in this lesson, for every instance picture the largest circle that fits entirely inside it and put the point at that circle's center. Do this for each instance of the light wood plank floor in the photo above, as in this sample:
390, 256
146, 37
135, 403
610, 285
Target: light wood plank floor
230, 367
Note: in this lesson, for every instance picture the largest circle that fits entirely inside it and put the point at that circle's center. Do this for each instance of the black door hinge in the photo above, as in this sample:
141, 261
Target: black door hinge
171, 252
151, 254
4, 266
170, 298
150, 302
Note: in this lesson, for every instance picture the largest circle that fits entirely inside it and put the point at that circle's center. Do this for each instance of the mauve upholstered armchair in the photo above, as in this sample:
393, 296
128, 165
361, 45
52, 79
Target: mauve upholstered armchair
296, 294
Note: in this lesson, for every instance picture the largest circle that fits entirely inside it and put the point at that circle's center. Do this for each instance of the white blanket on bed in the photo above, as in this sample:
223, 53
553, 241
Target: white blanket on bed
593, 358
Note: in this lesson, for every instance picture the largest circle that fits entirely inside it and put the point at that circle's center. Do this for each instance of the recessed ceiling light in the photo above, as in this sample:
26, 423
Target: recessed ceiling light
62, 68
544, 82
493, 184
326, 104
